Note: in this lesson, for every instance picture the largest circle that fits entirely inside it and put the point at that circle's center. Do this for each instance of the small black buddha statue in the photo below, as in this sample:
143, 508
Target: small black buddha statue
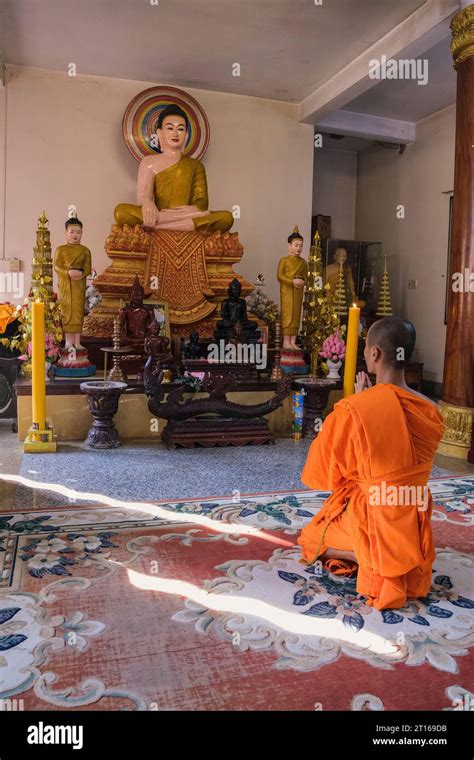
233, 311
192, 350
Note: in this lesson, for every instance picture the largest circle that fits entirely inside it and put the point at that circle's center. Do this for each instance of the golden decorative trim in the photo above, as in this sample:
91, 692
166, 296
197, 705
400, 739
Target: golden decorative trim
462, 43
456, 440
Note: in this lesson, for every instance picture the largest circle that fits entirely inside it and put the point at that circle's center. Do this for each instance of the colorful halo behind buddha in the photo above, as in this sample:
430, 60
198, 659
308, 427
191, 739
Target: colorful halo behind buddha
141, 116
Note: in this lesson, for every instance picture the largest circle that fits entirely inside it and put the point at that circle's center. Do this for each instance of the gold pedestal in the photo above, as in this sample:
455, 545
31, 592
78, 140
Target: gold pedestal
191, 271
456, 440
40, 441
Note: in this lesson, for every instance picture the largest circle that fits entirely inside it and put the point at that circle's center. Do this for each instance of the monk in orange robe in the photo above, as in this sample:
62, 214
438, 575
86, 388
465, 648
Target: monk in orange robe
375, 452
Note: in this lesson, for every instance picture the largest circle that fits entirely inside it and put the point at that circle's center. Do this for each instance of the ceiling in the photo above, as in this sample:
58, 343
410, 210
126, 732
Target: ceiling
286, 48
404, 98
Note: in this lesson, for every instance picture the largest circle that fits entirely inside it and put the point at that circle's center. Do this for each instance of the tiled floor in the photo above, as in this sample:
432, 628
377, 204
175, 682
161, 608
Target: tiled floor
153, 473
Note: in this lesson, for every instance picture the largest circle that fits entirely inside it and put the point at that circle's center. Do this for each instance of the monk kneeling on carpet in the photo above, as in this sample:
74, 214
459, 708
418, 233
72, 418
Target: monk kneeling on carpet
375, 452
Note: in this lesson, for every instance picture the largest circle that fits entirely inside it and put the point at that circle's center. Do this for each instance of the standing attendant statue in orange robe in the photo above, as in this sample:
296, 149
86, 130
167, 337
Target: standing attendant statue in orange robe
375, 453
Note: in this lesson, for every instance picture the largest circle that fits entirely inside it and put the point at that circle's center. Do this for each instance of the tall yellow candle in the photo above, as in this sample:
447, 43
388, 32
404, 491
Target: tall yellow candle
351, 350
38, 389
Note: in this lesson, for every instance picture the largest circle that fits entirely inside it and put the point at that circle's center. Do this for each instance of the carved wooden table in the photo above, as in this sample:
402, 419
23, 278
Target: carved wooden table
103, 397
317, 392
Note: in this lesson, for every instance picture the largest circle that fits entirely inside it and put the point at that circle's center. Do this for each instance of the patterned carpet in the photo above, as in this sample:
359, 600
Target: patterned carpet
202, 604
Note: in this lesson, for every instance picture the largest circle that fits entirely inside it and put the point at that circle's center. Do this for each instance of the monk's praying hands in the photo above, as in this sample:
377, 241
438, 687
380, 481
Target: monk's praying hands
362, 382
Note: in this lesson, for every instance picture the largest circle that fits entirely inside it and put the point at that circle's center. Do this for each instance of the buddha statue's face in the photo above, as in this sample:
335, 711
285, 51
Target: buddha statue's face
136, 297
295, 248
73, 233
234, 289
172, 135
340, 256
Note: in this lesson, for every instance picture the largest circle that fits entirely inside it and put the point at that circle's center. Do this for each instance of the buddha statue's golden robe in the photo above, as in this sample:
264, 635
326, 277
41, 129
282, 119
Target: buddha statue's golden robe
182, 184
291, 298
72, 293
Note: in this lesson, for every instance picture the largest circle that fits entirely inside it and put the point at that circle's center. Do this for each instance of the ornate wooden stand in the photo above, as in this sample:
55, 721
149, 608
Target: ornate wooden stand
212, 421
103, 398
207, 431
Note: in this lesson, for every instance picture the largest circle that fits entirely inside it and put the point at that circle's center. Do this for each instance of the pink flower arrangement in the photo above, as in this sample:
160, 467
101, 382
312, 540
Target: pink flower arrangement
50, 348
334, 347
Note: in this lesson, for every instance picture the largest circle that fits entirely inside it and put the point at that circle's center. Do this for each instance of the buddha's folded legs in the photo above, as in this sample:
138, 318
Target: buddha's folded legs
213, 221
128, 213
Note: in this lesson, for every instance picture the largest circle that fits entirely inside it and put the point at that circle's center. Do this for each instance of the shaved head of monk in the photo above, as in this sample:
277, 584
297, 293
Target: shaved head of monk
390, 343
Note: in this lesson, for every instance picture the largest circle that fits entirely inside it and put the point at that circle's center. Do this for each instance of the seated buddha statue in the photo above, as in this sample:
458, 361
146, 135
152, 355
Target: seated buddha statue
172, 188
157, 348
135, 318
192, 350
233, 312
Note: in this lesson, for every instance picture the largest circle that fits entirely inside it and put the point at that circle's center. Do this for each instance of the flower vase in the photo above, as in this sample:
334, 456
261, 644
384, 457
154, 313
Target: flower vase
333, 368
47, 371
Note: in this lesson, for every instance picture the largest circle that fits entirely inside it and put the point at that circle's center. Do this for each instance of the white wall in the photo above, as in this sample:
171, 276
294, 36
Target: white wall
3, 123
416, 245
65, 146
334, 189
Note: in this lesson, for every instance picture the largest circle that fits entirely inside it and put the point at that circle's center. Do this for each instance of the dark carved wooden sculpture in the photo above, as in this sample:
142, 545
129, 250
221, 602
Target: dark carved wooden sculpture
212, 421
157, 348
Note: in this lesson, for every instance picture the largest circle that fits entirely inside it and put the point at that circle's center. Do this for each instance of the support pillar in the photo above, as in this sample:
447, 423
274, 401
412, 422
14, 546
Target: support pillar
457, 405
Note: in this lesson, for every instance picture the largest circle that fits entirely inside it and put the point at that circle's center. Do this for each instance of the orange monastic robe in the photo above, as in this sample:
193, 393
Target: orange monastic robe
383, 437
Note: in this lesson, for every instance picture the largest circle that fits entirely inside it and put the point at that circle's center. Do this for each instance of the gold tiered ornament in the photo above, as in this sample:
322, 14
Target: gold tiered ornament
41, 289
319, 317
384, 308
42, 264
340, 302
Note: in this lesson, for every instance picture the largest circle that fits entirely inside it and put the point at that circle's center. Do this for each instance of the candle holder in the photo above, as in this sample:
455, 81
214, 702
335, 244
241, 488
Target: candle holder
40, 441
116, 374
40, 438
